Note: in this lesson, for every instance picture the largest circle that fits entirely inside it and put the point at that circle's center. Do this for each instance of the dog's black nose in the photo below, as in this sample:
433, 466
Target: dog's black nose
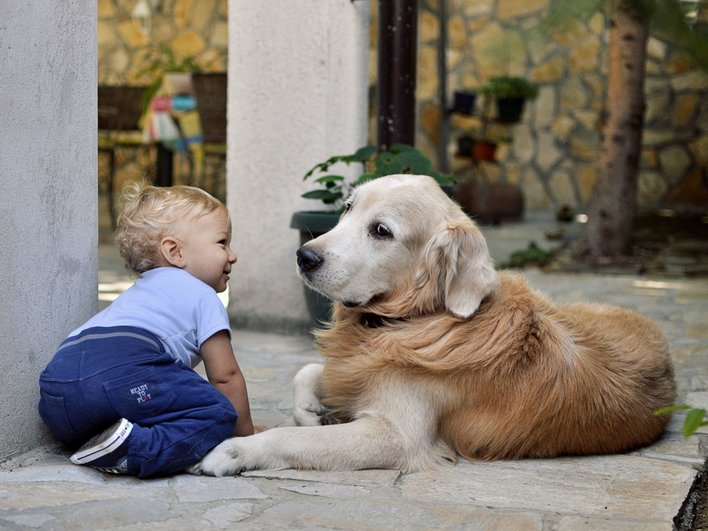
308, 259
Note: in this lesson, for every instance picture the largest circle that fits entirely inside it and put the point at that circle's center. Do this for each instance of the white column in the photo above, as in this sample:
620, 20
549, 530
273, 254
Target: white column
48, 199
298, 93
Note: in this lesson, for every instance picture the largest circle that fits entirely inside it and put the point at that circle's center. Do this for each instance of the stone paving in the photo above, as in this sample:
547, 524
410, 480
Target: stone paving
640, 490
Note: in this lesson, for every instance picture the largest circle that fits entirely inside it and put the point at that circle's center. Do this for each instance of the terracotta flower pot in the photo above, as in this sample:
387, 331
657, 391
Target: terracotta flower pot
484, 150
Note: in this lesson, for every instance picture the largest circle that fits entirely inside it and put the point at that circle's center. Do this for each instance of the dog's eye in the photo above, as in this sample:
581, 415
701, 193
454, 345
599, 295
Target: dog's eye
381, 231
347, 206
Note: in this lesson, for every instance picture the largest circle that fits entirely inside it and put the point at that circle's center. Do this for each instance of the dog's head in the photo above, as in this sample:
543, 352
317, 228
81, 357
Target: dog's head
401, 248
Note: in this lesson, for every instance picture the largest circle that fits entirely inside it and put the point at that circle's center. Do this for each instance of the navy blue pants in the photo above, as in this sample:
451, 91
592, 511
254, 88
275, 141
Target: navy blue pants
104, 374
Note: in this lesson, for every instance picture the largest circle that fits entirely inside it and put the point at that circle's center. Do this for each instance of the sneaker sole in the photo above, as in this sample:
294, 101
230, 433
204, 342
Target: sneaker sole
104, 448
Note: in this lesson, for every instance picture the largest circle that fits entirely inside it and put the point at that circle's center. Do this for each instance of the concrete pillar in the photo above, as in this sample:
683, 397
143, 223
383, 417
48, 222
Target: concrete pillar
298, 93
48, 200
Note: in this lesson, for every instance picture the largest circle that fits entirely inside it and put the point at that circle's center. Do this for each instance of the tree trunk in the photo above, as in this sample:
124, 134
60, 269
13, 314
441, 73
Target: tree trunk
613, 206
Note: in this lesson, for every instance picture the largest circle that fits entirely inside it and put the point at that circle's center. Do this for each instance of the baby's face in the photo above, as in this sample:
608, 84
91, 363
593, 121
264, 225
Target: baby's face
206, 249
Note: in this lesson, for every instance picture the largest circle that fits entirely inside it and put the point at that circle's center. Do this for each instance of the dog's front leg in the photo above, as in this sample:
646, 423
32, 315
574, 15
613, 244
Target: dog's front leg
369, 442
307, 408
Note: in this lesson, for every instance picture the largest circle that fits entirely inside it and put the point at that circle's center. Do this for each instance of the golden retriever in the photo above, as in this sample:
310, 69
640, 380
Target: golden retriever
433, 354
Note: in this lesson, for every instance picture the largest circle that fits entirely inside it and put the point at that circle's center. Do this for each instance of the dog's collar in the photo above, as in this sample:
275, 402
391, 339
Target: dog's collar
371, 320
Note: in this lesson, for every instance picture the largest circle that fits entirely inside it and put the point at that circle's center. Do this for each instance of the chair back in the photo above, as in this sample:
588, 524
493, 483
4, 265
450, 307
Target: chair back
120, 107
210, 93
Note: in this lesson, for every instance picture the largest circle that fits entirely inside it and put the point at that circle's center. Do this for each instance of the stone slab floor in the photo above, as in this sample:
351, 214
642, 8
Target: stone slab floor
643, 490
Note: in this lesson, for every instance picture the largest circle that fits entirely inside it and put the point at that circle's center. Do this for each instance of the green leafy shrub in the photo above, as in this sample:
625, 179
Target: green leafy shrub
695, 418
377, 162
510, 87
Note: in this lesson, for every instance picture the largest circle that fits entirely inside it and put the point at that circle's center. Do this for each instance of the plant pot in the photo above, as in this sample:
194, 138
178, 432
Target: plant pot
463, 101
484, 150
489, 202
509, 110
312, 224
465, 146
178, 83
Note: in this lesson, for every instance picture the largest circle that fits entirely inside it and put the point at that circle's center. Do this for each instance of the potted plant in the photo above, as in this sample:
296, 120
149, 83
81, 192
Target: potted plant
465, 146
484, 149
510, 94
463, 101
163, 66
334, 189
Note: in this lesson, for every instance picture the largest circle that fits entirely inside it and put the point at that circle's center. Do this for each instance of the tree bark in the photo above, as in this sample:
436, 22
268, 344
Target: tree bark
613, 207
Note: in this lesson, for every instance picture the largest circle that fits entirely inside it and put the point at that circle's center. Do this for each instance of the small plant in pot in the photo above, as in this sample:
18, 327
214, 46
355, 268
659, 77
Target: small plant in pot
160, 63
510, 94
484, 149
465, 146
463, 101
333, 190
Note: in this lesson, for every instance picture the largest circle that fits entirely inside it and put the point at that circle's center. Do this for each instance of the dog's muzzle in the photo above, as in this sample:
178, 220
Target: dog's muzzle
308, 260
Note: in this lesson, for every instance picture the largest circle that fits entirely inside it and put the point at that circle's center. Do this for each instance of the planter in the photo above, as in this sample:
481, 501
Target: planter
465, 146
489, 202
463, 102
484, 150
311, 225
509, 110
178, 83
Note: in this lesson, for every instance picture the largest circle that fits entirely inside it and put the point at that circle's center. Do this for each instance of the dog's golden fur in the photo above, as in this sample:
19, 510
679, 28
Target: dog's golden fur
432, 354
522, 377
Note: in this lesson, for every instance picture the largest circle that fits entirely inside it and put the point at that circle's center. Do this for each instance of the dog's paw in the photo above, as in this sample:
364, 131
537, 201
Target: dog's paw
221, 461
307, 408
310, 414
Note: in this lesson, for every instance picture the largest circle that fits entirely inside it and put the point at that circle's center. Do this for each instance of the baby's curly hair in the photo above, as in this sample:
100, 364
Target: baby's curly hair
149, 213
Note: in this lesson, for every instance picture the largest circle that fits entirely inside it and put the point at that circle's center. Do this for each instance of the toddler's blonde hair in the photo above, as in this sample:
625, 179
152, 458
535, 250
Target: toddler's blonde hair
149, 213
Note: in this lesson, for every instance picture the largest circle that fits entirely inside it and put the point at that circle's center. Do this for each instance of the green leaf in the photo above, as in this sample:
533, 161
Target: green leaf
323, 166
443, 179
363, 154
415, 162
387, 163
671, 409
694, 420
323, 195
378, 162
329, 179
400, 148
318, 168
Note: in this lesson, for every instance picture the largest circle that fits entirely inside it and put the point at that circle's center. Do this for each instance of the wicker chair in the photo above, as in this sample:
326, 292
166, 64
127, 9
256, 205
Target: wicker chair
119, 110
210, 93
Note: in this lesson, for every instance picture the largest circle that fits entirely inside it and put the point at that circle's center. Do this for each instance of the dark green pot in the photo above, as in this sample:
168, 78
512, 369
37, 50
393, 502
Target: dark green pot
509, 110
312, 224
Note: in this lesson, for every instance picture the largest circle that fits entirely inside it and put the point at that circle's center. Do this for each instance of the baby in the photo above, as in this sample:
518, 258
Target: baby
126, 378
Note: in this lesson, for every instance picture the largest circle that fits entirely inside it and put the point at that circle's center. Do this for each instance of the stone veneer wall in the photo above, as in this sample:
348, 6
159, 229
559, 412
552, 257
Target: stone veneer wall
191, 28
553, 151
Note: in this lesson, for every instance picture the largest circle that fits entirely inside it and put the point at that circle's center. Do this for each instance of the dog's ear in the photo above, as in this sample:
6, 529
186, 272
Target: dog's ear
460, 254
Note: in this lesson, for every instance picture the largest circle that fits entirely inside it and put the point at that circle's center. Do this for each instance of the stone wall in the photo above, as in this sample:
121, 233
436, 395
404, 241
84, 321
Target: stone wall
195, 29
552, 153
191, 28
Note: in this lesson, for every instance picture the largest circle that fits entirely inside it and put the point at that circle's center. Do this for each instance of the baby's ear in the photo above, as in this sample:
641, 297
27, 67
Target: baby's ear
171, 251
467, 269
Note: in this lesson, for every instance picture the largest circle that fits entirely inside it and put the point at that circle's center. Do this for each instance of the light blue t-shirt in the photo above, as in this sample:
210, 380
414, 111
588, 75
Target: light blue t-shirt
178, 308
